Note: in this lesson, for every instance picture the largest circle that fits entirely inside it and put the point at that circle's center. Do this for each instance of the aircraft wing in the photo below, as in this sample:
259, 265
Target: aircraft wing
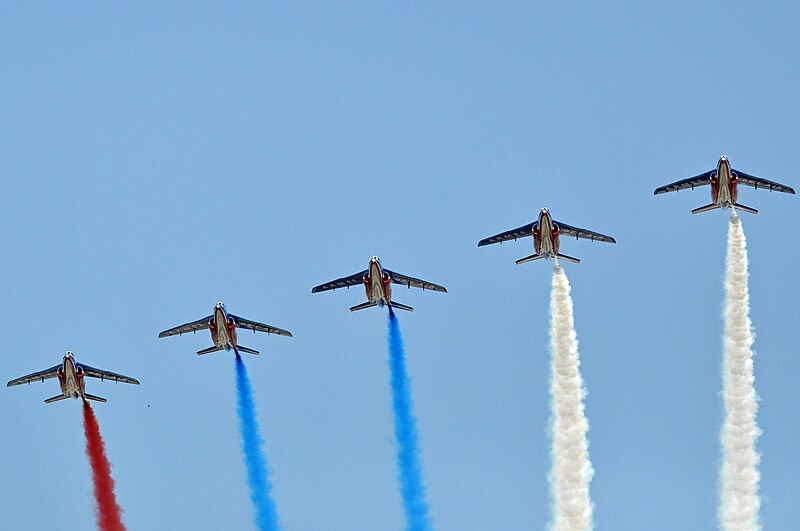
691, 182
412, 282
259, 327
344, 282
569, 230
194, 326
106, 375
36, 376
758, 182
525, 230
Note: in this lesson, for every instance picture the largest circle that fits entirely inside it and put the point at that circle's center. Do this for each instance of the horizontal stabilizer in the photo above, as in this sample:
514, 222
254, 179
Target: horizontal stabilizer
530, 258
568, 258
401, 306
707, 208
363, 305
56, 399
248, 350
208, 350
744, 208
87, 396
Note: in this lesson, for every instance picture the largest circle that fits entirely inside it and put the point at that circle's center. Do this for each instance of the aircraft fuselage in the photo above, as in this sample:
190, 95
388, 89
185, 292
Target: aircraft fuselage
70, 378
223, 329
546, 236
377, 284
724, 189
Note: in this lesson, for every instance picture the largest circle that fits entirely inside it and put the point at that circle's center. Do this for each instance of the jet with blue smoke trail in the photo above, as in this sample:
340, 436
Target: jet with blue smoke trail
222, 326
405, 429
377, 282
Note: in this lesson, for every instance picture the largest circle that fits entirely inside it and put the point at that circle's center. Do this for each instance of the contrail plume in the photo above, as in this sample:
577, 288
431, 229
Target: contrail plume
571, 471
266, 518
405, 430
739, 500
107, 511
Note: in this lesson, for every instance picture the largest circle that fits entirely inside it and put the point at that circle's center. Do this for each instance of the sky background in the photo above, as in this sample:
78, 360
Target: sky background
159, 157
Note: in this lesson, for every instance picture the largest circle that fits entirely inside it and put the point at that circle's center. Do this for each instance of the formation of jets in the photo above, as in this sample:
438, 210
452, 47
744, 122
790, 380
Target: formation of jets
377, 280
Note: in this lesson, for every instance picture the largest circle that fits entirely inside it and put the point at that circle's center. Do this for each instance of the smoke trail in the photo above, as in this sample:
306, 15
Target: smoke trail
405, 430
108, 513
740, 502
572, 471
254, 458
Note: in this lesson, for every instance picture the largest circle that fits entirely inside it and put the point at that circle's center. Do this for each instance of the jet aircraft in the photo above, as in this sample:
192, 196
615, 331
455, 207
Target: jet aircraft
71, 379
377, 283
724, 183
223, 327
546, 233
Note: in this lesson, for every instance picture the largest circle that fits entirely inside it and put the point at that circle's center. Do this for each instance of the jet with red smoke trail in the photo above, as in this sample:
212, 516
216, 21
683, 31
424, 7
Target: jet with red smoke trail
546, 237
724, 183
377, 283
222, 326
71, 377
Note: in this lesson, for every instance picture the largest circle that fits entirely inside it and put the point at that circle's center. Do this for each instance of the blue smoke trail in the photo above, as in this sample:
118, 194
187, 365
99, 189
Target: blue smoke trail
257, 472
405, 430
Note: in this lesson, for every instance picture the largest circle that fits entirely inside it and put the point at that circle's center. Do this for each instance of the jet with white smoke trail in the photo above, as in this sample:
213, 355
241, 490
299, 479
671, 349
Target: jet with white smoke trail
546, 233
739, 498
724, 183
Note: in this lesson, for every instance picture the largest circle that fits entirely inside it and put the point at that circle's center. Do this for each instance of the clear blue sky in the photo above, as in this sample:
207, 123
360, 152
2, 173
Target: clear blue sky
159, 157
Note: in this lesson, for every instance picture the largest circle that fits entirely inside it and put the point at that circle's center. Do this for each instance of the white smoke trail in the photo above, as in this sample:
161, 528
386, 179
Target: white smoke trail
740, 502
572, 471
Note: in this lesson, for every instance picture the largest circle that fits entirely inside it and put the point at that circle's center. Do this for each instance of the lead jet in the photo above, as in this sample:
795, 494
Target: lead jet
71, 376
223, 327
377, 283
724, 183
546, 234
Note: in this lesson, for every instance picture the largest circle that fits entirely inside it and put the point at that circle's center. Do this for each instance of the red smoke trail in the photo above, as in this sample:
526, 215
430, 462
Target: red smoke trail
109, 515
